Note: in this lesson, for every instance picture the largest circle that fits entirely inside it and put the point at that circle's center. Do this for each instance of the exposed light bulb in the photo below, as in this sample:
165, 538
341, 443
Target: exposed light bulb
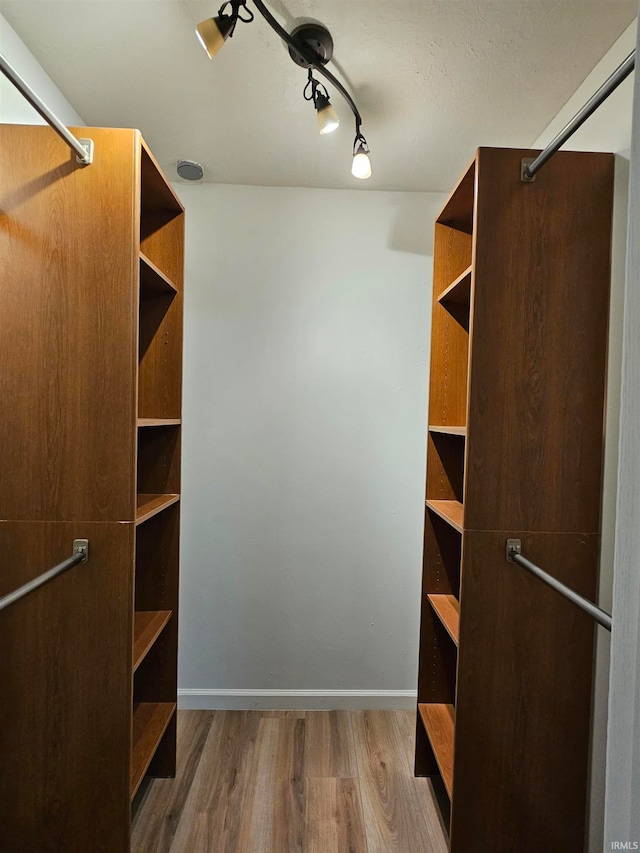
361, 165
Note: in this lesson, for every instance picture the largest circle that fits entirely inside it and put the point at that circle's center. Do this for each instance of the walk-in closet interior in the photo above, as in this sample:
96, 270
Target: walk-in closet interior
318, 427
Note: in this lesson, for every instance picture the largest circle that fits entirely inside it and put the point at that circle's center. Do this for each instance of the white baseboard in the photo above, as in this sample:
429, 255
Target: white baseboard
296, 700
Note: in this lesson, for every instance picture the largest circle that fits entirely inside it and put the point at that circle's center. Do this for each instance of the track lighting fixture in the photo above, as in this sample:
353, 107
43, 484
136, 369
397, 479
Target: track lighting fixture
311, 47
328, 120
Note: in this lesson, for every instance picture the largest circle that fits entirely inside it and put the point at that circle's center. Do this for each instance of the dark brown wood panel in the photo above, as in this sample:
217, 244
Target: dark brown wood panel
524, 694
150, 721
159, 460
442, 553
541, 282
445, 464
66, 652
439, 722
67, 336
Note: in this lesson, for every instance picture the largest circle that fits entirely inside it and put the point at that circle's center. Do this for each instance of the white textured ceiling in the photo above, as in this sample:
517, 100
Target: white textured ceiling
433, 79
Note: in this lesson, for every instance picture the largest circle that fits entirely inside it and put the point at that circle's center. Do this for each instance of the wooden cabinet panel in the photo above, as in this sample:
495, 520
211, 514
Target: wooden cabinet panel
65, 711
67, 337
515, 443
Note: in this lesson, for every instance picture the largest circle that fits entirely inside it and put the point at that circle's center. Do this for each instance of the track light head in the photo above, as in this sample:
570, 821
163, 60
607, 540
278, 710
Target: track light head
328, 120
214, 32
361, 165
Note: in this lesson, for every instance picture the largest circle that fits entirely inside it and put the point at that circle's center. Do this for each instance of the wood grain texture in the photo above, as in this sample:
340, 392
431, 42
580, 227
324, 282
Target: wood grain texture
150, 505
156, 815
447, 610
67, 648
153, 280
458, 210
67, 302
251, 788
449, 339
385, 781
450, 511
541, 280
329, 745
445, 464
158, 467
439, 724
147, 626
333, 816
160, 344
524, 694
150, 722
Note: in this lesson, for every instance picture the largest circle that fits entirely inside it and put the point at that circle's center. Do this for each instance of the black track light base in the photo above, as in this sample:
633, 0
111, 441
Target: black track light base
315, 40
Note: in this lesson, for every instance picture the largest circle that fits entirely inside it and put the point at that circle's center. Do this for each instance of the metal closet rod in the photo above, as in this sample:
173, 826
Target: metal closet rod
611, 84
80, 555
83, 148
514, 547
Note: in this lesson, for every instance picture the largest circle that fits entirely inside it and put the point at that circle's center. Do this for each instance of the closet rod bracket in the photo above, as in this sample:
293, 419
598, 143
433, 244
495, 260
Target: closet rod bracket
81, 546
524, 172
87, 160
514, 546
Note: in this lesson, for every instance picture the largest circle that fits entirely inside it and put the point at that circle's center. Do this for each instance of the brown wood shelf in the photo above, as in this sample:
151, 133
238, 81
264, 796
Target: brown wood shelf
150, 721
150, 505
459, 291
158, 196
451, 511
439, 722
152, 279
447, 609
159, 422
449, 430
147, 627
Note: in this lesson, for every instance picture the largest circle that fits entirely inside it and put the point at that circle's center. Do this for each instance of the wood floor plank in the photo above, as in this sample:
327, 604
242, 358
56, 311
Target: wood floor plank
329, 750
406, 723
213, 811
333, 816
249, 788
155, 822
393, 802
273, 809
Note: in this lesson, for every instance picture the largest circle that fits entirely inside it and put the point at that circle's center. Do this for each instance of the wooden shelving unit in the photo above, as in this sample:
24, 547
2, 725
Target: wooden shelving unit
93, 256
150, 505
438, 722
514, 450
147, 627
150, 723
447, 608
451, 511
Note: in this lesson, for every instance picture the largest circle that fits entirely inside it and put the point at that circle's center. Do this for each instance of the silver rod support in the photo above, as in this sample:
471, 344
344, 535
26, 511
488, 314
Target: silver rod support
80, 555
601, 616
612, 83
22, 86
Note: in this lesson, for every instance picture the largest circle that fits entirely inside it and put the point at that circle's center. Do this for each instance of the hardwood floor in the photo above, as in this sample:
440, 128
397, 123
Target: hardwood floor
291, 782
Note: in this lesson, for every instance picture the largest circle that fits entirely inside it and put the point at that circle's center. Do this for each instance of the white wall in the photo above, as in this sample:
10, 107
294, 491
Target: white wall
622, 816
13, 107
609, 129
307, 319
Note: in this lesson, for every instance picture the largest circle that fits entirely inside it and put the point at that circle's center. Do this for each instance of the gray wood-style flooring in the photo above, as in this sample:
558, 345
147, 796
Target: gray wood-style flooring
288, 781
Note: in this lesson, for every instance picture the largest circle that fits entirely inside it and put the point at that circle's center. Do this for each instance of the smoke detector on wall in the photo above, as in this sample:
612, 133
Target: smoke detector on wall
189, 170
